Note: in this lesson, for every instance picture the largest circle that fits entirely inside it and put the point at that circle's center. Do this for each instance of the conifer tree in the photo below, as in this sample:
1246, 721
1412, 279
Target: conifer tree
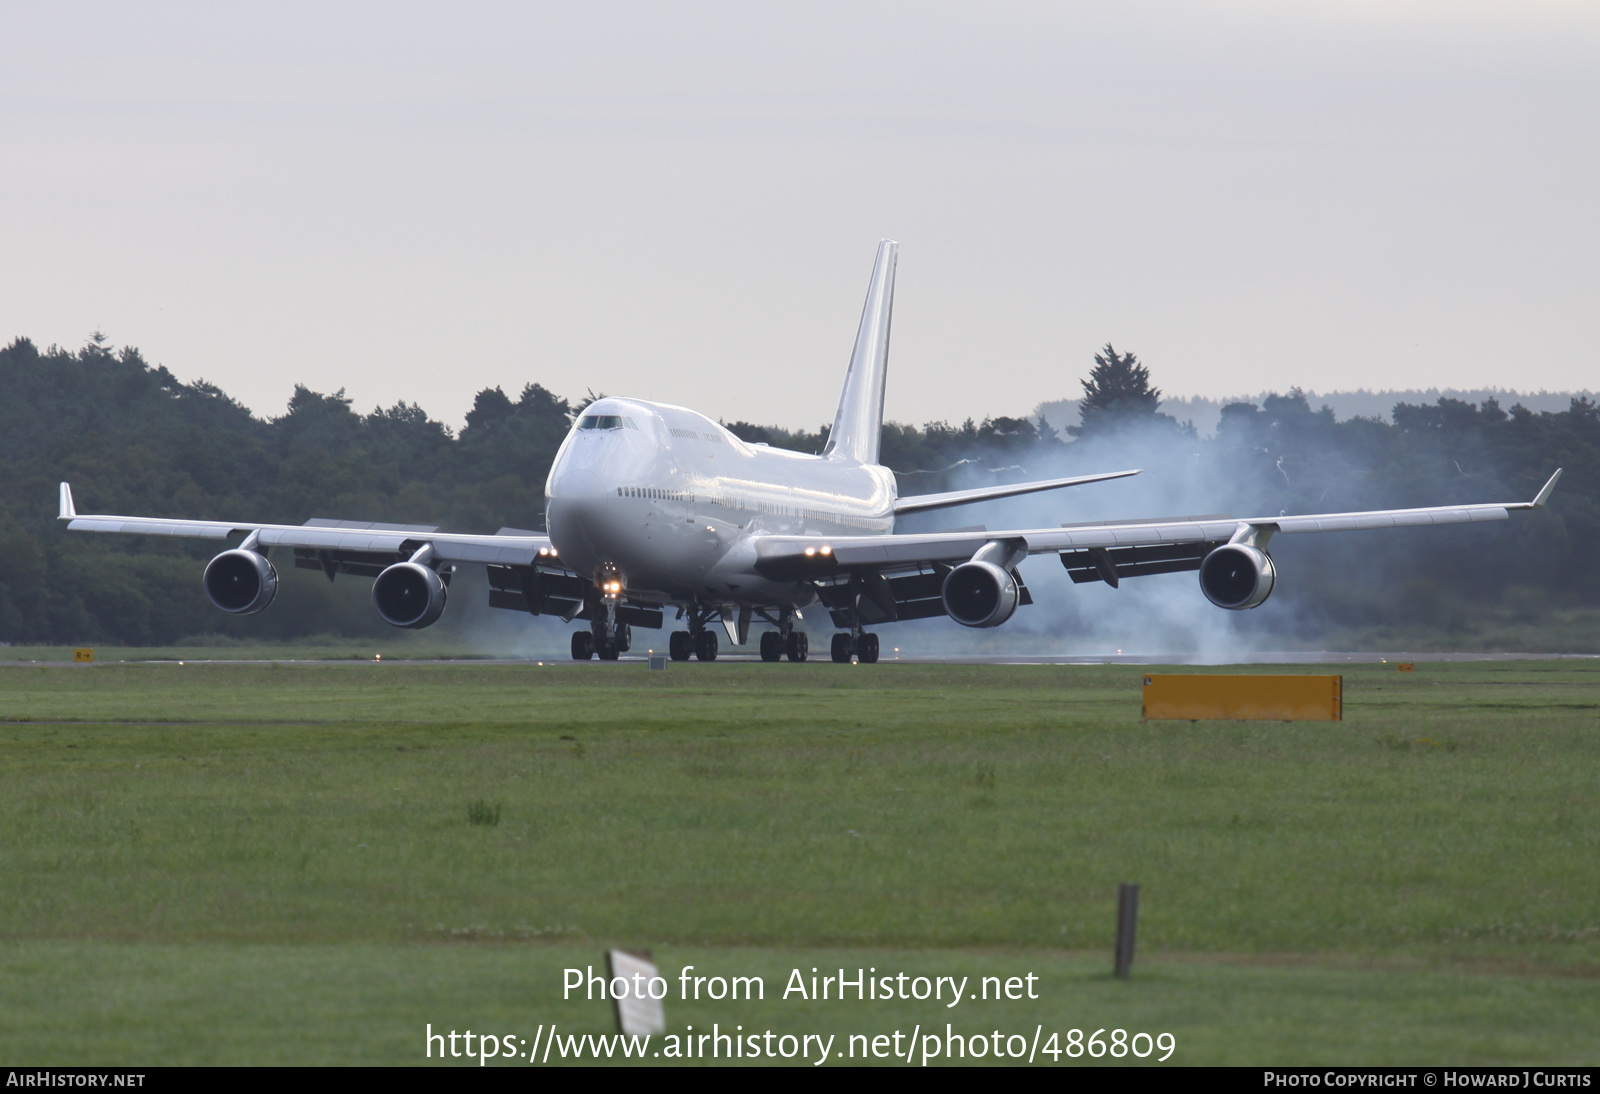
1116, 393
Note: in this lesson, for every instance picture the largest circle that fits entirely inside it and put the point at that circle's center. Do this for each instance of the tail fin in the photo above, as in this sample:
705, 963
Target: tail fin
858, 426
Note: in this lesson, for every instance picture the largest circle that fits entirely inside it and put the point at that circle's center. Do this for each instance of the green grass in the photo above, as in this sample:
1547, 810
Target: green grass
284, 863
214, 648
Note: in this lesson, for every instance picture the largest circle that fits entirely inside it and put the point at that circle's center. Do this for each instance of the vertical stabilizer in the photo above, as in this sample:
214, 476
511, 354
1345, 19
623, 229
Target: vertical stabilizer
858, 426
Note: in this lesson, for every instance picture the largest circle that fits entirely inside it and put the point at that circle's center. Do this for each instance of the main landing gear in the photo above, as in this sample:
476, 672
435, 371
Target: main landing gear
699, 640
860, 645
785, 640
774, 646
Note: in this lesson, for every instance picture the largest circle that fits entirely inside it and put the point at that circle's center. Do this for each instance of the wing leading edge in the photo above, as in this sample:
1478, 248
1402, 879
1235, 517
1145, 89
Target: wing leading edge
918, 503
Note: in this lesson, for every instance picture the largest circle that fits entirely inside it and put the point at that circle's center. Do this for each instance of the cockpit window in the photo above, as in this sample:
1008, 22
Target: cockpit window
605, 421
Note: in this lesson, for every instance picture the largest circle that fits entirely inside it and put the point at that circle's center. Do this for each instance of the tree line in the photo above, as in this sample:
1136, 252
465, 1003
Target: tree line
132, 438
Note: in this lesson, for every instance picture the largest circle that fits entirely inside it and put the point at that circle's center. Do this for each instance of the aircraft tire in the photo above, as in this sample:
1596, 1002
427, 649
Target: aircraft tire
799, 646
582, 646
680, 645
607, 649
771, 646
706, 648
867, 650
841, 649
624, 637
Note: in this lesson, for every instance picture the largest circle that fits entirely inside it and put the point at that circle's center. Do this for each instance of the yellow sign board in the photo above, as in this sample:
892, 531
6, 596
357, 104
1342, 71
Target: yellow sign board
1406, 666
85, 656
1194, 697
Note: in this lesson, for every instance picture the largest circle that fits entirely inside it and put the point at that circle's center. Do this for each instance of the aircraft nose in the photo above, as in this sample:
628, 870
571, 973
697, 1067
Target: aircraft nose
578, 484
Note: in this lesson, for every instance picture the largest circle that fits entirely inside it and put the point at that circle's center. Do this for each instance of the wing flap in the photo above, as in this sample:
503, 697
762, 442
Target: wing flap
1137, 561
358, 563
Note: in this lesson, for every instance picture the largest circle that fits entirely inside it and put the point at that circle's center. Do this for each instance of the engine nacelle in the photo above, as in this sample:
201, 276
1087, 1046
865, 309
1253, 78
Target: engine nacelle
1236, 576
409, 594
240, 581
980, 594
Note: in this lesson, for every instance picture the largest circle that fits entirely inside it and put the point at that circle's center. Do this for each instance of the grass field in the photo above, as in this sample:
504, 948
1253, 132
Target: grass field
241, 863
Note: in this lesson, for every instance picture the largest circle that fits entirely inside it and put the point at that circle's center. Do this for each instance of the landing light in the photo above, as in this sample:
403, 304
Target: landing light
827, 550
810, 551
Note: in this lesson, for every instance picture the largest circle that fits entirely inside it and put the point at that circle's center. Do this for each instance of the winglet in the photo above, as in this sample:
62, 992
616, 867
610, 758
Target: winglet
69, 510
1544, 494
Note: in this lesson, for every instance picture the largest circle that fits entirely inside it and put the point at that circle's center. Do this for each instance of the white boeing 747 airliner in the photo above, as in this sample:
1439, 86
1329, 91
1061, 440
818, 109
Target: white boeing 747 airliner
652, 507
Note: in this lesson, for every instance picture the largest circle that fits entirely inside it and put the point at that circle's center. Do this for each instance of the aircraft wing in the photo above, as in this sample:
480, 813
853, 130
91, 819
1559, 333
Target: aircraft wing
1132, 548
339, 544
918, 503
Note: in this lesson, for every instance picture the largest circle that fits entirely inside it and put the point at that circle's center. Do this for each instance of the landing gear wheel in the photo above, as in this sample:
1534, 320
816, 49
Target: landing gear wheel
867, 649
799, 645
680, 645
606, 649
624, 637
582, 646
706, 647
771, 646
841, 649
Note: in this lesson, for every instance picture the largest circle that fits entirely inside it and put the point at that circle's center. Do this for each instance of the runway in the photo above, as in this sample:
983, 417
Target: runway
1279, 657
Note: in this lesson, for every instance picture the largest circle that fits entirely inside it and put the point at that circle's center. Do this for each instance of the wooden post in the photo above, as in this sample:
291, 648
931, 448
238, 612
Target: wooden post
1127, 922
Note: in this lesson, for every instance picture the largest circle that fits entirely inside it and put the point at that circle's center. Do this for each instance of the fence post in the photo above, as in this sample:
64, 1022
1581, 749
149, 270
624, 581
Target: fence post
1127, 923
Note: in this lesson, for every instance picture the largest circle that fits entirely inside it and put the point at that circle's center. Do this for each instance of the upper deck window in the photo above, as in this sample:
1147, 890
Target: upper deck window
605, 421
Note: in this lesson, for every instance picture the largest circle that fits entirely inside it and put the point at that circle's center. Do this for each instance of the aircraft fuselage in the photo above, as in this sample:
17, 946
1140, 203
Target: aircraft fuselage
671, 500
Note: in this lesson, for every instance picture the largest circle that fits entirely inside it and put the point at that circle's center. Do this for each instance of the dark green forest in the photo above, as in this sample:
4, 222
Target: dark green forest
133, 439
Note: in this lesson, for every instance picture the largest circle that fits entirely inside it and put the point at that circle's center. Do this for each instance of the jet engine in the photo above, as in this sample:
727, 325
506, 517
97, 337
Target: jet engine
409, 594
241, 581
980, 594
1236, 576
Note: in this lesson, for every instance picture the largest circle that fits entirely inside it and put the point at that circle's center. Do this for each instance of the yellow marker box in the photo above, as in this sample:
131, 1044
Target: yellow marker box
83, 656
1194, 697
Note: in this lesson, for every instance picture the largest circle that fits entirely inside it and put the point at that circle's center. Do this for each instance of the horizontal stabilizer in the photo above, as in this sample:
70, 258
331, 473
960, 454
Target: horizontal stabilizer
922, 502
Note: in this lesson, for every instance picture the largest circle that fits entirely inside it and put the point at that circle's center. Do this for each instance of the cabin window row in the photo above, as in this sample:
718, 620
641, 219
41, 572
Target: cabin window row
653, 492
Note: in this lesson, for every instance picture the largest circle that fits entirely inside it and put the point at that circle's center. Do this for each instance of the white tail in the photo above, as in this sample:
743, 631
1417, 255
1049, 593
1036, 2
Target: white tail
858, 426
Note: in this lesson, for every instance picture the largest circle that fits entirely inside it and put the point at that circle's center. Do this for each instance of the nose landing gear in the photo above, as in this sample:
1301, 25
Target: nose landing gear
595, 642
606, 637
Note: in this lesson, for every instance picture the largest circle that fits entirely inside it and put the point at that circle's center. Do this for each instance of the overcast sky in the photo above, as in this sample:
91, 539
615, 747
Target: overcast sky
681, 201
